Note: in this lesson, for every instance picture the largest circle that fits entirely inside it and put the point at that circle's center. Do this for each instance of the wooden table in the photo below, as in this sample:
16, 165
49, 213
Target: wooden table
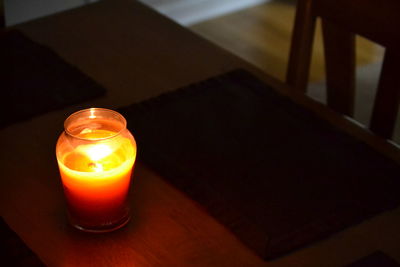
136, 53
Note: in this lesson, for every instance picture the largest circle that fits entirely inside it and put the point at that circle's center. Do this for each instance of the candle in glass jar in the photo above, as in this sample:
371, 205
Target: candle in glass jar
96, 155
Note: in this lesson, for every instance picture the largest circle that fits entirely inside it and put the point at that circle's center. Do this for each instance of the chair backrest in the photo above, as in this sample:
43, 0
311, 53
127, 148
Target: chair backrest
2, 15
378, 21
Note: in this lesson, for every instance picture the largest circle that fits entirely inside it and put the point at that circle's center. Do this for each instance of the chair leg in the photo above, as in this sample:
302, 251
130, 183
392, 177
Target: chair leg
339, 50
387, 98
301, 46
2, 15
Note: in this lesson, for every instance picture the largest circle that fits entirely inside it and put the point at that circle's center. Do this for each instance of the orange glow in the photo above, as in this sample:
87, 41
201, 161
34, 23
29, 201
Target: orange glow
96, 176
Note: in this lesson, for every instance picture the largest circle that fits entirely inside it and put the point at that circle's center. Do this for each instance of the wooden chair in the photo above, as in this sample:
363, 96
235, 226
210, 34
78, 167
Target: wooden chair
378, 21
2, 15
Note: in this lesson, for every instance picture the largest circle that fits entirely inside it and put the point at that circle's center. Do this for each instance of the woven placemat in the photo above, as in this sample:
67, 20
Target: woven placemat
14, 251
273, 173
35, 80
376, 259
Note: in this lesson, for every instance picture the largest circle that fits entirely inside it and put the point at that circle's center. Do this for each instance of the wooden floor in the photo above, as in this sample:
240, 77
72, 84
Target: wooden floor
262, 36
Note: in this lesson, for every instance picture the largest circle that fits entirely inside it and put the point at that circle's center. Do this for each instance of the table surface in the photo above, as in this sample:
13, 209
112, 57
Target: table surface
136, 53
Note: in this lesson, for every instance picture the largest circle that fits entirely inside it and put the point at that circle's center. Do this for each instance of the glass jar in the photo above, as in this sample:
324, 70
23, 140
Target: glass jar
96, 155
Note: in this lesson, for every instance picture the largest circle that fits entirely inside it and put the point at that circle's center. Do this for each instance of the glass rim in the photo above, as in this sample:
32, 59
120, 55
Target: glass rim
92, 110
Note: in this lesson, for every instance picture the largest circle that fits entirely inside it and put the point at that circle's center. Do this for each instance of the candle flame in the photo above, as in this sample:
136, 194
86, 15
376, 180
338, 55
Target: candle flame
98, 151
96, 166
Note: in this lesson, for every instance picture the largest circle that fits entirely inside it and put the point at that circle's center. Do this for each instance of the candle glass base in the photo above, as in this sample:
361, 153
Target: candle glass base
103, 228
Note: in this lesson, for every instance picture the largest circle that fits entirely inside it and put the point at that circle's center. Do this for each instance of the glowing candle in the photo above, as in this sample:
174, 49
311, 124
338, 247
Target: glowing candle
96, 155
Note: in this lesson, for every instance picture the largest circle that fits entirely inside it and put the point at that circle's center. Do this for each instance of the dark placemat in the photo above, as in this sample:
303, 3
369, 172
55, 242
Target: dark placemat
35, 80
273, 173
376, 259
14, 251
